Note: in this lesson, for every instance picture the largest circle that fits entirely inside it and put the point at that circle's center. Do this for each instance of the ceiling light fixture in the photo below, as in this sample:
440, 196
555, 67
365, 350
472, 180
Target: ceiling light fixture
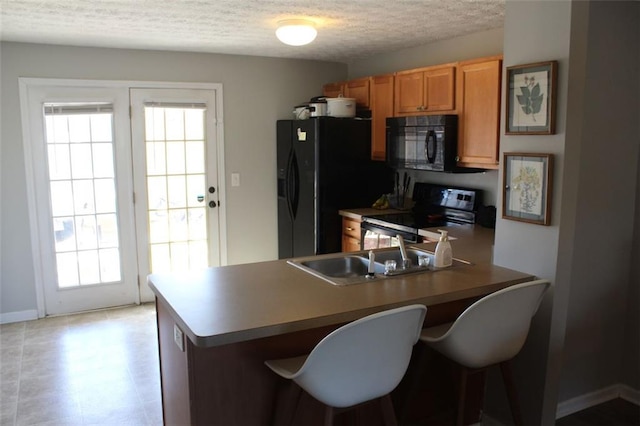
296, 32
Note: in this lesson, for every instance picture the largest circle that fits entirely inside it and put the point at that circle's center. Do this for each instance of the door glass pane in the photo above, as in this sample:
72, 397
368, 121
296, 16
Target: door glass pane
176, 189
80, 149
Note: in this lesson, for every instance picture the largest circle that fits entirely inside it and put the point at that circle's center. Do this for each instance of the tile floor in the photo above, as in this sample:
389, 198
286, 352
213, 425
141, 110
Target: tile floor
97, 368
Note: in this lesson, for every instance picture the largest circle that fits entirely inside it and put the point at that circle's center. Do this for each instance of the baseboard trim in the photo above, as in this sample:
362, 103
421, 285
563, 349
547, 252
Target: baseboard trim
585, 401
10, 317
630, 394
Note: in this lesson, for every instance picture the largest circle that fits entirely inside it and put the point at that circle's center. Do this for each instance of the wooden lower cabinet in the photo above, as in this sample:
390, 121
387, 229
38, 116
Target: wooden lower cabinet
351, 236
230, 385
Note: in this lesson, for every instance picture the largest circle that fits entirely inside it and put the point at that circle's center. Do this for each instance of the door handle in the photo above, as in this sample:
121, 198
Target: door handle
211, 190
212, 204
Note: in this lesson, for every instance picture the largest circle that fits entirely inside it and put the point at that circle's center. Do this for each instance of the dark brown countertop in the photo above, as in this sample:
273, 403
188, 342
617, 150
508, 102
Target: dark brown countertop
235, 303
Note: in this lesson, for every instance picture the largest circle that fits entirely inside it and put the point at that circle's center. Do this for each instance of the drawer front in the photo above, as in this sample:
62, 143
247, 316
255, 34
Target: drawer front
351, 228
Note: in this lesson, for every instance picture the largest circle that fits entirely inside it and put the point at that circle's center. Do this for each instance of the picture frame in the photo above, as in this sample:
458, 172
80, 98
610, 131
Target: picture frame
531, 99
527, 186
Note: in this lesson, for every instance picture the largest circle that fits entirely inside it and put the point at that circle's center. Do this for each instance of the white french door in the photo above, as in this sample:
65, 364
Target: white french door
122, 182
79, 146
175, 172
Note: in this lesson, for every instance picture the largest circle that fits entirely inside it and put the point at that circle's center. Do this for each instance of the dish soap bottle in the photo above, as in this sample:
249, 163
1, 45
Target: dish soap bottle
443, 255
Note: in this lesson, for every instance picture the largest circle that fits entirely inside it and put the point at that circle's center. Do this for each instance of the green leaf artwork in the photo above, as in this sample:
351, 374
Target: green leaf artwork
531, 99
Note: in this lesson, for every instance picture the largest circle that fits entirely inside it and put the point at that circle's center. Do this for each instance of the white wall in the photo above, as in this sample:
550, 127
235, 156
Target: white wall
257, 92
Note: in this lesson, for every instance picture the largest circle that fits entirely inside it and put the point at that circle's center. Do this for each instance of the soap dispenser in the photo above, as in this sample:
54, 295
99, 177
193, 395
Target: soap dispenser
443, 255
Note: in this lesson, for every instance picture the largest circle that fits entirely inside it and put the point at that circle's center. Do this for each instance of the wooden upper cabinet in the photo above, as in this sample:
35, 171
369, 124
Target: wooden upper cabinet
382, 89
478, 101
333, 90
439, 85
358, 89
425, 90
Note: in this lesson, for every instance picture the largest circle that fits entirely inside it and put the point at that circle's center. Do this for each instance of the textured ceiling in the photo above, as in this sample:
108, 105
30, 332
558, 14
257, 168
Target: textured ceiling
347, 29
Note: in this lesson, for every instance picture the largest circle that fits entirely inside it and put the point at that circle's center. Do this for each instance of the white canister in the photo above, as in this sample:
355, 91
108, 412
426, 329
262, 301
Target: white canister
341, 107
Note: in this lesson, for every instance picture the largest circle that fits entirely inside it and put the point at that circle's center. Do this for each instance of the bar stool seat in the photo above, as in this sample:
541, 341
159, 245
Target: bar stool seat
359, 362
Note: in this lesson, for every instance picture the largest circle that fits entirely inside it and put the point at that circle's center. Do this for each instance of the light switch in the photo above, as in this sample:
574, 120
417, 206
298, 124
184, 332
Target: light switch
235, 179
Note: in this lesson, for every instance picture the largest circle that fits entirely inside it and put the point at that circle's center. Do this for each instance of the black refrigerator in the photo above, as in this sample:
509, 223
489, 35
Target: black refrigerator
324, 165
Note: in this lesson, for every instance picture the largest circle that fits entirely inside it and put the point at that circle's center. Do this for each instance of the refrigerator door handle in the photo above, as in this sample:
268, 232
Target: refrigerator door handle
292, 184
294, 195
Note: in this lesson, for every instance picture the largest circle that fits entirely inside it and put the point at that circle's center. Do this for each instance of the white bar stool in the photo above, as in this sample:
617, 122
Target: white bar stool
489, 332
359, 362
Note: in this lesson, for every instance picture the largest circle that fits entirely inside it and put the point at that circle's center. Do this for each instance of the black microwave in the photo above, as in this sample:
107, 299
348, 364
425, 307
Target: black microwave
424, 142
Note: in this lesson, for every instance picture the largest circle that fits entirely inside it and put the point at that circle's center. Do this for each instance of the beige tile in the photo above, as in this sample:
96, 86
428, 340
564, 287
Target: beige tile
45, 335
50, 408
12, 327
51, 353
8, 413
50, 322
132, 415
11, 336
54, 385
153, 410
96, 368
10, 372
149, 389
87, 317
10, 355
8, 391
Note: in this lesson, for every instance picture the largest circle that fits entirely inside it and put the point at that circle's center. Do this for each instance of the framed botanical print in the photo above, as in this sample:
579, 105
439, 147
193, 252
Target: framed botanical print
527, 187
531, 99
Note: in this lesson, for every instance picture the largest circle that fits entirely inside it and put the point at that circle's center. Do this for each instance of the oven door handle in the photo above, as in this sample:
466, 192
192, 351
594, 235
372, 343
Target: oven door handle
411, 238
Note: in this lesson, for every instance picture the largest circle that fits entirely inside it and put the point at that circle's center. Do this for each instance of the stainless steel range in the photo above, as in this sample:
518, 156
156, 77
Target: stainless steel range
435, 206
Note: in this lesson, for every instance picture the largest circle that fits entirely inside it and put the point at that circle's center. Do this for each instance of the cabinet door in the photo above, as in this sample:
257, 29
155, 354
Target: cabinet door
333, 90
409, 92
358, 89
439, 86
350, 244
479, 113
381, 108
350, 234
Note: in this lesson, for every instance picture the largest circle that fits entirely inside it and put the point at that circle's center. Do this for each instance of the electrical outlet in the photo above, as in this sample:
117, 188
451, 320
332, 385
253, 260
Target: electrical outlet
178, 337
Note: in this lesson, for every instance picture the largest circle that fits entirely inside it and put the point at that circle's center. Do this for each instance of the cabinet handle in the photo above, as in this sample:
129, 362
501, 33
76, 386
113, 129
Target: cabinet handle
348, 228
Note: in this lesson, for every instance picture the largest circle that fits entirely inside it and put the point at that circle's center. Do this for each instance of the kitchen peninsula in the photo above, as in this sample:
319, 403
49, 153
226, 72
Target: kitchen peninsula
216, 327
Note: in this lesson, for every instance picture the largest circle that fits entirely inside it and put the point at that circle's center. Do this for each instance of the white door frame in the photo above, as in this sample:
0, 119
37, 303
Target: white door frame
25, 86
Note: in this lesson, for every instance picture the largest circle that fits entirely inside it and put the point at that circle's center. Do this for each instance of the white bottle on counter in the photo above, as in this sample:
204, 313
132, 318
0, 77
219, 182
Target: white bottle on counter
443, 255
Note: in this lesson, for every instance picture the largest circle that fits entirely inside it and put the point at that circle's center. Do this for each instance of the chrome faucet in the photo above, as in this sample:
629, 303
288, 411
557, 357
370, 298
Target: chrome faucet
406, 262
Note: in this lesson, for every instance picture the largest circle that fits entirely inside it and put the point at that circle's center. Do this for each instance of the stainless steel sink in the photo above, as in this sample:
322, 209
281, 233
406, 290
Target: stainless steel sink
340, 269
345, 269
